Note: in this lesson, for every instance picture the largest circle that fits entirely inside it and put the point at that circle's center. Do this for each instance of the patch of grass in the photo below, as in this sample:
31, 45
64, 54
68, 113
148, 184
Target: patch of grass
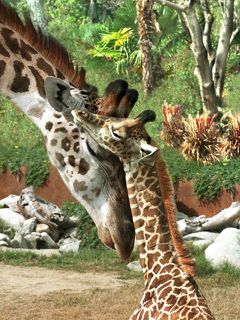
21, 144
87, 260
6, 230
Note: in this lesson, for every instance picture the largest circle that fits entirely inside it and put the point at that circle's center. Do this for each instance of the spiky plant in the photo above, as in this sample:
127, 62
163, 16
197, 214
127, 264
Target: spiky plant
201, 139
172, 125
230, 142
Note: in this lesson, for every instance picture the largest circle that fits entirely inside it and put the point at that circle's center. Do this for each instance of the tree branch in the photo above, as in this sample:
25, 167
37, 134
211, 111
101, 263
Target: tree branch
173, 5
208, 17
223, 47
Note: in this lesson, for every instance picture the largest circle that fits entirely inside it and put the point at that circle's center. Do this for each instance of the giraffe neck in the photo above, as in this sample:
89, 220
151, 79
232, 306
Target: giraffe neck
151, 227
168, 289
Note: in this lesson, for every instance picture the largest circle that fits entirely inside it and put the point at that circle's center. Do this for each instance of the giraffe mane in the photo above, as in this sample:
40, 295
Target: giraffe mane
49, 47
184, 256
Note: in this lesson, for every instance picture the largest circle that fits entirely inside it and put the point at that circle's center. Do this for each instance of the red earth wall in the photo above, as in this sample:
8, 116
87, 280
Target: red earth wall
54, 190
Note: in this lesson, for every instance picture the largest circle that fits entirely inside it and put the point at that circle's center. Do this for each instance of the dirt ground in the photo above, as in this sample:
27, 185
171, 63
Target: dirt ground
42, 294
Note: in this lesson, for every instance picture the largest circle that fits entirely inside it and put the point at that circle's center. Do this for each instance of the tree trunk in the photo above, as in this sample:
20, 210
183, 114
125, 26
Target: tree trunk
203, 69
145, 29
210, 64
223, 48
37, 13
92, 12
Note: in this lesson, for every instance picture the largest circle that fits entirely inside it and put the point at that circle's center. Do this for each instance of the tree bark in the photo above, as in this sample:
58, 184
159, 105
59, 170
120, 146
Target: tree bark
92, 12
203, 69
145, 29
223, 48
37, 13
210, 64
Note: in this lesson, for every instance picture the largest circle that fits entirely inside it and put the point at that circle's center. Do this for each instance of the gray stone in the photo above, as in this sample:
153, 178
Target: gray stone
41, 252
12, 219
202, 235
225, 249
201, 243
69, 245
50, 244
181, 215
41, 227
3, 243
10, 202
32, 240
4, 237
134, 266
29, 226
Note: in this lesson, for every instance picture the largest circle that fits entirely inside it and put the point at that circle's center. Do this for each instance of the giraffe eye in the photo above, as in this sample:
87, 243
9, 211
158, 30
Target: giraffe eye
115, 135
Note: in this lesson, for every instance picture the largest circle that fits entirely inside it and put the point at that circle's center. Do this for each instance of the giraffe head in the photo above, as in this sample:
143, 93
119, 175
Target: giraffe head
102, 170
126, 138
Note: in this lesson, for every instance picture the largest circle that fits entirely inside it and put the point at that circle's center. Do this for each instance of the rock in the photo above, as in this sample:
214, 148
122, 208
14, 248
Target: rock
3, 243
225, 249
33, 240
201, 243
42, 252
72, 233
50, 244
202, 235
69, 245
134, 266
29, 226
12, 219
224, 219
181, 216
10, 202
5, 238
18, 241
41, 227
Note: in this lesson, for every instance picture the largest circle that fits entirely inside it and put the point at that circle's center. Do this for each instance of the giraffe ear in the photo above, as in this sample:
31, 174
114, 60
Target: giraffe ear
148, 153
57, 91
59, 96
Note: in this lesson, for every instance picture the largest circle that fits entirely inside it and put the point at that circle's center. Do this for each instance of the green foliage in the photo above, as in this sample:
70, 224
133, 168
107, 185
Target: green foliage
6, 230
21, 145
211, 179
86, 229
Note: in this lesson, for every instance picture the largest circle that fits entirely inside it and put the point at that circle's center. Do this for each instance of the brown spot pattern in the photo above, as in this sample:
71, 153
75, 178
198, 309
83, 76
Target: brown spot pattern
11, 42
20, 83
26, 51
62, 129
58, 116
76, 147
66, 144
3, 51
49, 126
79, 186
60, 159
2, 67
44, 66
53, 142
59, 74
39, 81
71, 160
83, 166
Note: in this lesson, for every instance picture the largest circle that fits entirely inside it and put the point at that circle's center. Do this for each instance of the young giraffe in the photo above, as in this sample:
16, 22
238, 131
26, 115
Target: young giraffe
94, 176
170, 292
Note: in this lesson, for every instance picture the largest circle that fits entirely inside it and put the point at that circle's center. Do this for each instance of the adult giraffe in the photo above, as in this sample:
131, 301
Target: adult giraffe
170, 290
94, 176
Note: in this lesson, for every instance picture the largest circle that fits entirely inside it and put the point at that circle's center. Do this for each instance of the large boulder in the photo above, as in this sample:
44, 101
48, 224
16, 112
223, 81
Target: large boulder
225, 249
12, 219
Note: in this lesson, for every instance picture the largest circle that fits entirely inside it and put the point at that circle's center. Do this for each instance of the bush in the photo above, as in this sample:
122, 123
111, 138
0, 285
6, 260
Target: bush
86, 230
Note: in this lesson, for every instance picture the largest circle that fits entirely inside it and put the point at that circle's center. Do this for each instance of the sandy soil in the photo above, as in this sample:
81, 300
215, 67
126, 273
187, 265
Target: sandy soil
43, 294
39, 281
